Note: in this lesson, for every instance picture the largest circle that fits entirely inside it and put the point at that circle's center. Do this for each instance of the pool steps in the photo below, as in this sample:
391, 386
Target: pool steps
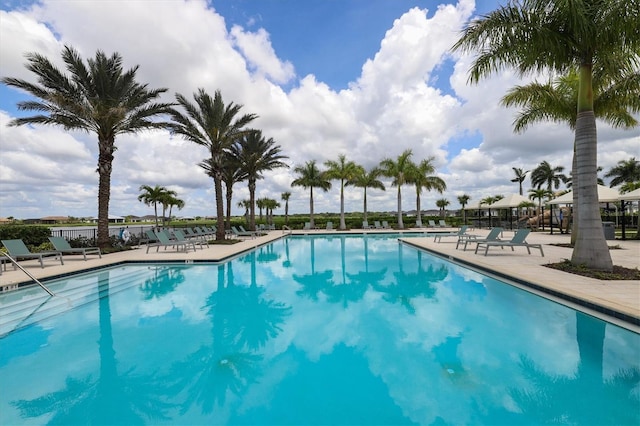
26, 306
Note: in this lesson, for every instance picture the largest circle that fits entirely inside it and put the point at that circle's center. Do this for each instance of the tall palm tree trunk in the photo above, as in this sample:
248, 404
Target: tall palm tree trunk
286, 212
419, 214
591, 248
229, 201
343, 225
252, 204
365, 203
217, 181
400, 224
311, 223
574, 206
105, 161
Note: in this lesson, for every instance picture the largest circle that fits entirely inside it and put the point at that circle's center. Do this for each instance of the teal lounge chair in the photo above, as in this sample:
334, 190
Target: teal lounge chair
385, 225
518, 240
257, 233
307, 226
165, 241
419, 224
62, 245
438, 237
443, 224
365, 225
469, 238
195, 241
239, 233
377, 225
18, 250
149, 237
432, 224
330, 226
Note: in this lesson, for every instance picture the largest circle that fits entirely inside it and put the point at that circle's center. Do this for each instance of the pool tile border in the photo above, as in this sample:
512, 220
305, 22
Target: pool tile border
542, 289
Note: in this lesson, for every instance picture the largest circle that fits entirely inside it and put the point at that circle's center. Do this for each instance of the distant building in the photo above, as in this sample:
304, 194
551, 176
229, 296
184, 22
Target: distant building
112, 219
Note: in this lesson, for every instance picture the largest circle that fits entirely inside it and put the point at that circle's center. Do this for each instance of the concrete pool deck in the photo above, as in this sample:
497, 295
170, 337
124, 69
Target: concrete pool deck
619, 299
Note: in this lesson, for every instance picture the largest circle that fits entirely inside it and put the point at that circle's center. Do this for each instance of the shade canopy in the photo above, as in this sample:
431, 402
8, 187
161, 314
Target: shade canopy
510, 201
605, 195
630, 196
476, 206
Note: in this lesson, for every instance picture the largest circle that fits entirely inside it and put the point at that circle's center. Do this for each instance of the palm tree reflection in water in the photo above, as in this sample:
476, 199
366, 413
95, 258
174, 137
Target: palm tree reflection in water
111, 398
242, 323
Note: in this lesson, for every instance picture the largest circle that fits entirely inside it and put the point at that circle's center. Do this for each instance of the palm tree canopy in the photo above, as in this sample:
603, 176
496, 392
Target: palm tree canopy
100, 98
210, 123
397, 169
463, 199
367, 179
536, 36
626, 171
442, 203
520, 175
614, 101
421, 175
309, 176
547, 174
256, 154
342, 169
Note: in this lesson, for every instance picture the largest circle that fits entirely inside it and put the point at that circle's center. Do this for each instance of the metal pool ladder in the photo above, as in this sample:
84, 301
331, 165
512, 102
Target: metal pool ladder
15, 263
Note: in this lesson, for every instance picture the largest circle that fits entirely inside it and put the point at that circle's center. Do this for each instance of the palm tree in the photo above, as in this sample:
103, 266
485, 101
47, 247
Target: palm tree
98, 97
542, 35
463, 200
545, 173
343, 171
490, 200
211, 124
364, 179
309, 176
442, 203
261, 203
398, 170
285, 197
521, 175
615, 99
231, 174
152, 196
539, 194
626, 171
172, 201
256, 155
271, 205
167, 197
246, 205
421, 175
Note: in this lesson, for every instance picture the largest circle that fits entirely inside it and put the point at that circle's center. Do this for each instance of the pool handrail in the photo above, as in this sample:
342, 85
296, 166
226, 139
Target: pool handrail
15, 263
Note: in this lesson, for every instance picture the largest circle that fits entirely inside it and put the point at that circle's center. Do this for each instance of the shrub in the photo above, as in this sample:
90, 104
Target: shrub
32, 235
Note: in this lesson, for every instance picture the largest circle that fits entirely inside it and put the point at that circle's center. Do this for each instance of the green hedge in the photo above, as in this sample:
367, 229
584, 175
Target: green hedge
33, 235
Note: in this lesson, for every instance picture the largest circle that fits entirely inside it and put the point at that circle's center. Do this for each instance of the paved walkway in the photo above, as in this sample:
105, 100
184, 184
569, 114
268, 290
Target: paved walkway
620, 299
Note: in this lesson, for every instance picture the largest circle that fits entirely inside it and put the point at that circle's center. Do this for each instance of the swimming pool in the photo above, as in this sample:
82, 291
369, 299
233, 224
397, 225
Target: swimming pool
311, 330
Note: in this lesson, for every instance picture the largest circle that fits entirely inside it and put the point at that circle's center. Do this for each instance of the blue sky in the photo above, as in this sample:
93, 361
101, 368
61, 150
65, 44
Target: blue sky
367, 79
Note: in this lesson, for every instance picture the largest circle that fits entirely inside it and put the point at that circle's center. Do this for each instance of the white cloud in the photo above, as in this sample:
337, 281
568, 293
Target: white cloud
393, 105
256, 48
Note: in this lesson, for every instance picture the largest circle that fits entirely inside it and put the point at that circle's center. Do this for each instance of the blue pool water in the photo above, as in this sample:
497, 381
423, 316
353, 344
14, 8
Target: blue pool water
310, 330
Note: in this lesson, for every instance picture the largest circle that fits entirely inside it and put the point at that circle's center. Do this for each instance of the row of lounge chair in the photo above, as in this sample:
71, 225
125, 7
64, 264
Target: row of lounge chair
432, 224
491, 240
376, 225
18, 250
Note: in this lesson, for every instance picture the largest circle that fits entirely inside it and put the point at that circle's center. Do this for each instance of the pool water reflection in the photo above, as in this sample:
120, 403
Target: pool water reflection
316, 330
